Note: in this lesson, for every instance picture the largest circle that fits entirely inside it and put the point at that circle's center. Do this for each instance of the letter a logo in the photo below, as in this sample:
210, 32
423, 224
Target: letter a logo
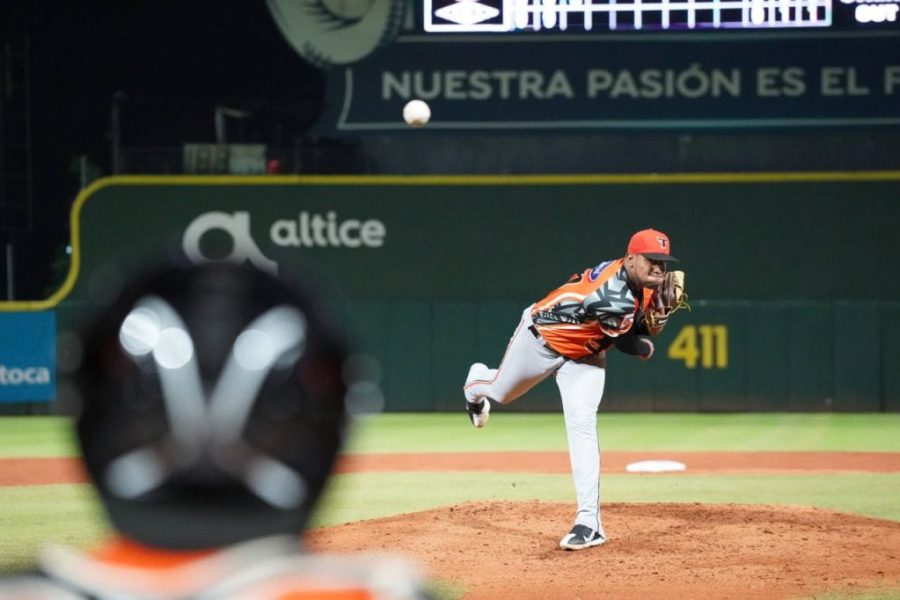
237, 226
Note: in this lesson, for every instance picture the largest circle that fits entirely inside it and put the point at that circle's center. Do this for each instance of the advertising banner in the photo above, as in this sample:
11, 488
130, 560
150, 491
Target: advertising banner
645, 83
27, 356
501, 238
603, 64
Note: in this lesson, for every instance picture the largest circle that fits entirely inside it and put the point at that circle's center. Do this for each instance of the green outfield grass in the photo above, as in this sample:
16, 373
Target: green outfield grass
866, 595
32, 516
374, 495
35, 436
450, 432
626, 431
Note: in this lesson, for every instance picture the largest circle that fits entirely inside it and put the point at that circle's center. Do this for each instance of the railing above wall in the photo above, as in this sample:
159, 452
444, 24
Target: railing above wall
423, 152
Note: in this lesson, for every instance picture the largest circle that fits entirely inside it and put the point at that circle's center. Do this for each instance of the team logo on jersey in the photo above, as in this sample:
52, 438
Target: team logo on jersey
595, 272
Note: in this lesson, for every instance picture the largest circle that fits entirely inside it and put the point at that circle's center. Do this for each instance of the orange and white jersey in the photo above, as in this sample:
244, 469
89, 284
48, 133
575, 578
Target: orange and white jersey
577, 318
266, 569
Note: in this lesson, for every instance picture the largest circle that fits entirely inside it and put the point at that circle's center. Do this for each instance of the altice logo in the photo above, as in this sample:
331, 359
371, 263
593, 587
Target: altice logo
308, 230
314, 230
24, 375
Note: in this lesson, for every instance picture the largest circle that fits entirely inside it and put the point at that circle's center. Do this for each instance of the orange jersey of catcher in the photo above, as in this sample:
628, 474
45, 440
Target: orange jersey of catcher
265, 569
577, 318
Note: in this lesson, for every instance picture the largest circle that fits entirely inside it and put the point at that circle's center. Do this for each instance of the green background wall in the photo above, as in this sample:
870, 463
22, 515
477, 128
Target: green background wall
782, 356
798, 270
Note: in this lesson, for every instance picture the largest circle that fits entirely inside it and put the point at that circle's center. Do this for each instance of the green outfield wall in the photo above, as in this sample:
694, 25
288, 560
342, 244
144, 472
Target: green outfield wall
796, 301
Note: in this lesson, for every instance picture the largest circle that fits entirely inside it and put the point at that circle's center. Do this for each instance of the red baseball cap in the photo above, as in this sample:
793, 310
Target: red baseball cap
651, 243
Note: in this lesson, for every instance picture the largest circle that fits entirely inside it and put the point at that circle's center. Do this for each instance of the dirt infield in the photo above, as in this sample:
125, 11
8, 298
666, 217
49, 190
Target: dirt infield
505, 550
42, 471
501, 550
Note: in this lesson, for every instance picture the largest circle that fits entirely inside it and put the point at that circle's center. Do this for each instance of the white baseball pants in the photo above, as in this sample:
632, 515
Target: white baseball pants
526, 362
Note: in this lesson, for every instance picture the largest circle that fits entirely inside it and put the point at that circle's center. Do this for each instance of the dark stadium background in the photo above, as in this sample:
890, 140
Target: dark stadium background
150, 74
173, 62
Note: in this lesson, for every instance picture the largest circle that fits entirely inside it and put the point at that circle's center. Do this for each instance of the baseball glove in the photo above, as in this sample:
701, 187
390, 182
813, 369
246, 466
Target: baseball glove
668, 298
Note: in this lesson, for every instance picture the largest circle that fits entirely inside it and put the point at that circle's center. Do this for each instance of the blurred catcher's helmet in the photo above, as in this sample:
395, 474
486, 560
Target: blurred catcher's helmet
213, 407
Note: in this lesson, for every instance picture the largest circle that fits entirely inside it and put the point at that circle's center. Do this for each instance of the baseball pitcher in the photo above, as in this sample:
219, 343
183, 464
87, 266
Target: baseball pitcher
621, 303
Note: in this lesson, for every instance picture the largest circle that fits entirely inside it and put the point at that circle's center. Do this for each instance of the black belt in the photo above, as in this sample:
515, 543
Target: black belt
537, 335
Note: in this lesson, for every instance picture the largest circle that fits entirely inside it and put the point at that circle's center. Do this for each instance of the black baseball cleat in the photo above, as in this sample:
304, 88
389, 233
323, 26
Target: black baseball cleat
581, 537
479, 412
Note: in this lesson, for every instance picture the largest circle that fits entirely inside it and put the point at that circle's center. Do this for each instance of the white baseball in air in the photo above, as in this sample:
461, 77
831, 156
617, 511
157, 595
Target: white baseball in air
416, 113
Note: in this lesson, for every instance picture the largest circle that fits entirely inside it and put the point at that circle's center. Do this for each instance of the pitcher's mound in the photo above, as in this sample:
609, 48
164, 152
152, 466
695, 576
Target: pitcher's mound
502, 550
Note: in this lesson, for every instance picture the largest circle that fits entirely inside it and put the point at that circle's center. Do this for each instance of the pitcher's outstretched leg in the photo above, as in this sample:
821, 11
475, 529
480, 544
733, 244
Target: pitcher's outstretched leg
479, 410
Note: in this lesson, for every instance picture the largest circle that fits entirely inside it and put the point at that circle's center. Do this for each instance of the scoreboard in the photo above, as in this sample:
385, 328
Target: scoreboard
579, 65
555, 16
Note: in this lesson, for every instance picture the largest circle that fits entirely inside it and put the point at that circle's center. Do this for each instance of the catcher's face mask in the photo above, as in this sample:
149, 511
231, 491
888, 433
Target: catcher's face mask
213, 407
